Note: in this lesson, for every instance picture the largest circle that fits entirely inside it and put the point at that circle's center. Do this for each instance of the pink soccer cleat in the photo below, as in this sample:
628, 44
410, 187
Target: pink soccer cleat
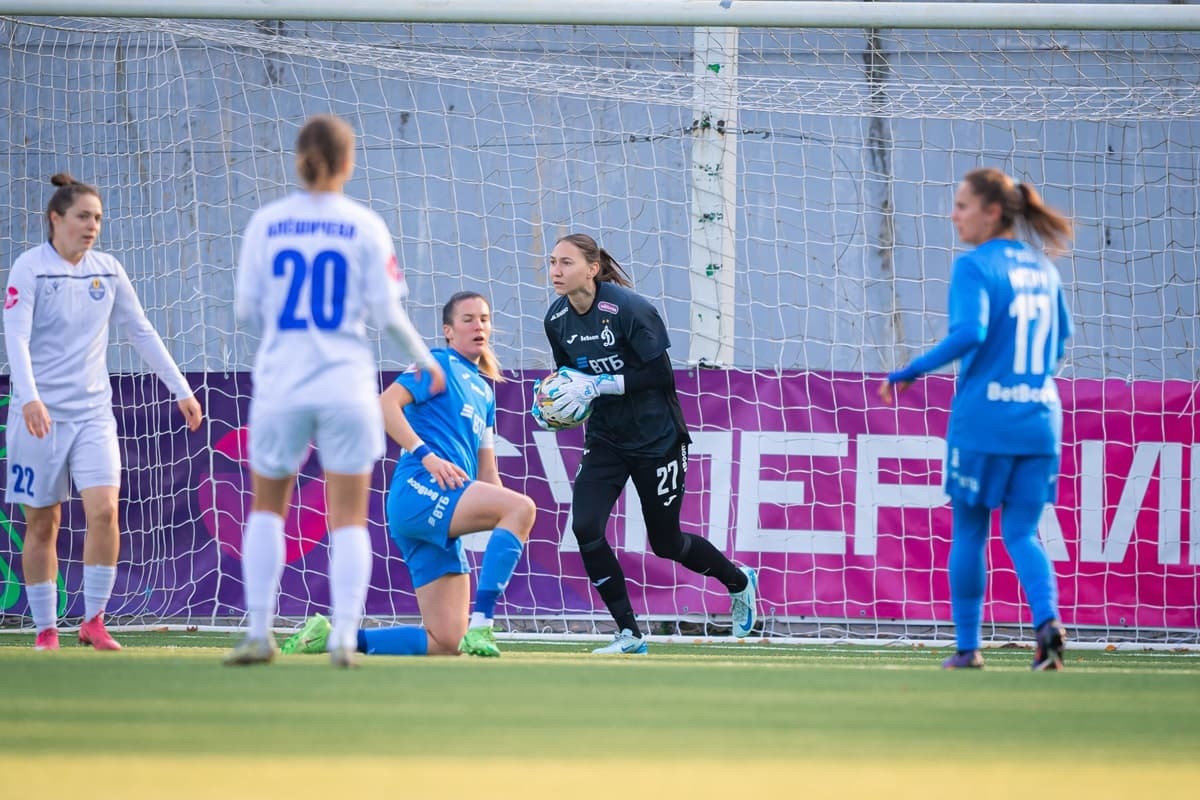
94, 633
47, 639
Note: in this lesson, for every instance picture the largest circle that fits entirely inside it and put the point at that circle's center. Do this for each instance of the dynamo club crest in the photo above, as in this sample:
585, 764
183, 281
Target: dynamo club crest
96, 290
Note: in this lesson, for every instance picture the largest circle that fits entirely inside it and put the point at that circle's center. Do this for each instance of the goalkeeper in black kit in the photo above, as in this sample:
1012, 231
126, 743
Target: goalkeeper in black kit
610, 346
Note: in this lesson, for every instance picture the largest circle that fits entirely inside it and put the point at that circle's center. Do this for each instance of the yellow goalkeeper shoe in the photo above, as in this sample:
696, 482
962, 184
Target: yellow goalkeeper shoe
252, 651
480, 641
309, 639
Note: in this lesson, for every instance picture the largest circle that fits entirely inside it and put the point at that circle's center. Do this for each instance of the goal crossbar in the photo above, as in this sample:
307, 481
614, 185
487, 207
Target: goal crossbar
738, 13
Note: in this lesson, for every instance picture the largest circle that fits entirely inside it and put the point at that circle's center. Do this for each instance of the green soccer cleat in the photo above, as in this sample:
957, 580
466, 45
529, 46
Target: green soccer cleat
252, 651
480, 641
309, 639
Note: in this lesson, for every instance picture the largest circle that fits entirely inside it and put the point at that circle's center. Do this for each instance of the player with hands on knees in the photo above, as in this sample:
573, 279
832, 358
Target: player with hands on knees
610, 347
61, 300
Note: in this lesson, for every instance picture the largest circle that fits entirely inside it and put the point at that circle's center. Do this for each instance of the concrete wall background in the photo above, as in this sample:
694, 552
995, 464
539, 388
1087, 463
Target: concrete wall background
481, 145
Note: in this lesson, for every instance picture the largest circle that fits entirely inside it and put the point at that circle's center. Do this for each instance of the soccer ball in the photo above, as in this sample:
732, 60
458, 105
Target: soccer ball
543, 405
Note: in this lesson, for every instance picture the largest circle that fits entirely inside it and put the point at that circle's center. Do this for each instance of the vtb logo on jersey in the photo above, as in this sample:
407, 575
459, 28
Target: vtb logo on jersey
608, 364
96, 290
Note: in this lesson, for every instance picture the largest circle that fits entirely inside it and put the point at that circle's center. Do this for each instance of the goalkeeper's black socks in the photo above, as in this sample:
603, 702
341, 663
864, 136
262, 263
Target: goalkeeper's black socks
700, 556
604, 571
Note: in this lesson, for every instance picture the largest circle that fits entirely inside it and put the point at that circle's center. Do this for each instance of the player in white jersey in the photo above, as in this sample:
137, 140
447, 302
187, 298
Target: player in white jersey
61, 298
312, 267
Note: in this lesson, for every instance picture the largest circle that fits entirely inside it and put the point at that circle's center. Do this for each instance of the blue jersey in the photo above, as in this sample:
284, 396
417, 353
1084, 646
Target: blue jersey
1008, 323
451, 423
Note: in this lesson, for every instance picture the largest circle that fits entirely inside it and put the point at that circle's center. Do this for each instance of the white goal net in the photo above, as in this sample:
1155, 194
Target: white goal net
782, 194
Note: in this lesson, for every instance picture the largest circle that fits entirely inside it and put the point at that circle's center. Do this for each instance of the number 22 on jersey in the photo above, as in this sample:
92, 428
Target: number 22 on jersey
325, 279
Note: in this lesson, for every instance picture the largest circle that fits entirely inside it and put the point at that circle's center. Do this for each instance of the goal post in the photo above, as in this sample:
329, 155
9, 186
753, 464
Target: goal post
776, 176
717, 13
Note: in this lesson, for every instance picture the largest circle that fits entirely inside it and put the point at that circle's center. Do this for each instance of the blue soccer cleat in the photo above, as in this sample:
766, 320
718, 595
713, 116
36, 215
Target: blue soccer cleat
744, 606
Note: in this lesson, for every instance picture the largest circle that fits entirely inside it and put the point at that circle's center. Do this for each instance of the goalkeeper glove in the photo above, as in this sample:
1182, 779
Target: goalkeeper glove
576, 390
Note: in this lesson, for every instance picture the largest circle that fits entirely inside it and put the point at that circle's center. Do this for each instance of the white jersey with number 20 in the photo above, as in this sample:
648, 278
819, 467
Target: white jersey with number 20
312, 267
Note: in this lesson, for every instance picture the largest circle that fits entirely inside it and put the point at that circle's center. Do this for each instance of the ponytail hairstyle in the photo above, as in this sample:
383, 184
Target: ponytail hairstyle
610, 270
323, 147
489, 365
1020, 201
69, 190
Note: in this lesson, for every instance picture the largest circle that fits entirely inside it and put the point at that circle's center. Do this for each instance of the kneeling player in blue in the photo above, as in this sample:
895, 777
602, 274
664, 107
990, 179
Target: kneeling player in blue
446, 485
1008, 325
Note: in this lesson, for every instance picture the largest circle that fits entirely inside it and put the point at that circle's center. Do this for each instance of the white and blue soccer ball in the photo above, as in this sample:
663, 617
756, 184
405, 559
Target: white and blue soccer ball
544, 392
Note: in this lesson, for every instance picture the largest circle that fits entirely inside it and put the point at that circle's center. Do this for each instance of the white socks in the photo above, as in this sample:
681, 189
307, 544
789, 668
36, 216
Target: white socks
41, 605
98, 580
478, 620
262, 567
349, 574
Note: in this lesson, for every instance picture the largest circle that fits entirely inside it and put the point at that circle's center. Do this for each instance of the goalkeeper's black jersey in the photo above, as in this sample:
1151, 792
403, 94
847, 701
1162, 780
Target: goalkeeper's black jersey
620, 332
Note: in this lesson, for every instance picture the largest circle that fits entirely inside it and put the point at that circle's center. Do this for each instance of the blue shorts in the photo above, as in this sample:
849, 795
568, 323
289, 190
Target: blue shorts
418, 515
991, 480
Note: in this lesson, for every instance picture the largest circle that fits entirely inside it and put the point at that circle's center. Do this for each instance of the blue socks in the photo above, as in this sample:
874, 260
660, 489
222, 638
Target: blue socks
968, 566
968, 572
499, 562
1019, 524
406, 640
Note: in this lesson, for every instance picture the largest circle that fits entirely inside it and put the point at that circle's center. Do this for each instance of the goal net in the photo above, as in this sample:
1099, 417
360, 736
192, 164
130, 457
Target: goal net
783, 196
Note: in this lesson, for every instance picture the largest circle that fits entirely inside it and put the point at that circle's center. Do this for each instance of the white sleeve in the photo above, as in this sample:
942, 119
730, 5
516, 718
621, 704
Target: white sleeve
385, 289
247, 300
19, 302
128, 311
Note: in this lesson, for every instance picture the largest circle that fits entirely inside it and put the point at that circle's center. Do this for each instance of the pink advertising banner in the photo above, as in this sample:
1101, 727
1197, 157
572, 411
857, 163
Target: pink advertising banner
835, 498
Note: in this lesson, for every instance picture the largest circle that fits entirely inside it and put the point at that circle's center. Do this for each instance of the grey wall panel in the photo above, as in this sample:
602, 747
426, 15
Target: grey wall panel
844, 244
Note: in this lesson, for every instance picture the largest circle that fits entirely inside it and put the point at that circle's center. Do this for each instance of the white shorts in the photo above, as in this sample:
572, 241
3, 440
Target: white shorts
39, 472
349, 438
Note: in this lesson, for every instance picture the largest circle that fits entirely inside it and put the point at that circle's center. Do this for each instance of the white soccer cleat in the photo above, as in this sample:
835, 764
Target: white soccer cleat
624, 643
252, 651
743, 607
343, 658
